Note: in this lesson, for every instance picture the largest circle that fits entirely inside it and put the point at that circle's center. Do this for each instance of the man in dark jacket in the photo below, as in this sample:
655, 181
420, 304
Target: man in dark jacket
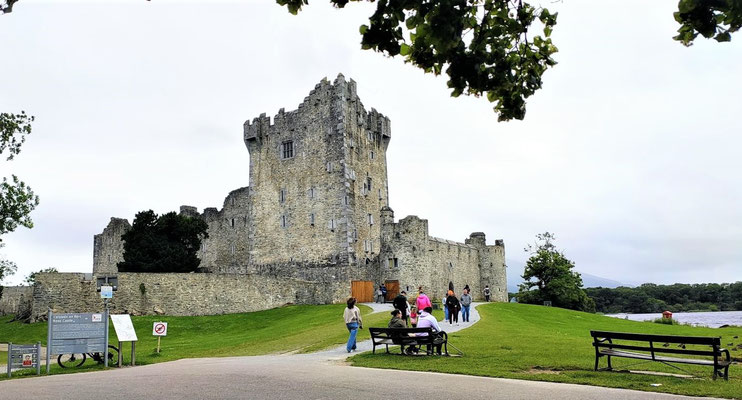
400, 303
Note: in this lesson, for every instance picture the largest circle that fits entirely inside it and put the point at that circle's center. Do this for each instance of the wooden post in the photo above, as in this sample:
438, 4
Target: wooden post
158, 344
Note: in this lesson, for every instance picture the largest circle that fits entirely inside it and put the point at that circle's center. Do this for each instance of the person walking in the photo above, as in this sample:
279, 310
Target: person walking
353, 322
383, 293
400, 303
452, 304
422, 300
379, 296
487, 292
444, 303
465, 305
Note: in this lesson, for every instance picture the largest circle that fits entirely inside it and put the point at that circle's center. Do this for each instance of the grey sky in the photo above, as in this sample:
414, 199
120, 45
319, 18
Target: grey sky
629, 153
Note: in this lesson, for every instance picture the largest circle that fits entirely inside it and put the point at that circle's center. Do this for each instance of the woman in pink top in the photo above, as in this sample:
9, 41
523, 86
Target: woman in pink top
423, 301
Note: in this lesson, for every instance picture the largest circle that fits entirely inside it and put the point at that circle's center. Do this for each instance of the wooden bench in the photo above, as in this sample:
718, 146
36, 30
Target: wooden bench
406, 337
664, 344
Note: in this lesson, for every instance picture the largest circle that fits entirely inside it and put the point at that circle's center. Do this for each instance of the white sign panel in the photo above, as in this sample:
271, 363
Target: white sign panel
124, 328
159, 329
106, 292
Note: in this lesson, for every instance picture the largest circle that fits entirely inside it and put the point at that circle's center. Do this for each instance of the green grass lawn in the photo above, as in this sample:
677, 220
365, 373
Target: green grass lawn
280, 330
552, 344
3, 358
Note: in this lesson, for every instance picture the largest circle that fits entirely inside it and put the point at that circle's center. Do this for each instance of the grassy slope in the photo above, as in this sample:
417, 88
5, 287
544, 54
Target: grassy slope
286, 329
531, 342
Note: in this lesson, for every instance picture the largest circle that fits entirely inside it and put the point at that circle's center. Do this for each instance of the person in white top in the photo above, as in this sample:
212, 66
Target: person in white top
353, 322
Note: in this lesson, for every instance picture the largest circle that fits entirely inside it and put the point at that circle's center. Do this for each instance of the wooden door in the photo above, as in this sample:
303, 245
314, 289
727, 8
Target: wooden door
363, 291
392, 289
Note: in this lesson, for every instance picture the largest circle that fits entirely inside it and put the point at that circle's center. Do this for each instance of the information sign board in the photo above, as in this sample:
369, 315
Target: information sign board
77, 333
24, 356
106, 292
159, 329
124, 328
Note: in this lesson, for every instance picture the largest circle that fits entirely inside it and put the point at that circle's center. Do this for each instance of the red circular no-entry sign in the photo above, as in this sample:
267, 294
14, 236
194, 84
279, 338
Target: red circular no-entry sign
159, 329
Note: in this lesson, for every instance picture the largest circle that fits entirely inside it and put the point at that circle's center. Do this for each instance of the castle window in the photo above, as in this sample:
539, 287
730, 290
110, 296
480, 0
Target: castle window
311, 193
370, 136
284, 221
368, 183
346, 201
371, 154
231, 222
370, 219
352, 174
352, 143
380, 195
332, 224
368, 246
311, 219
393, 263
109, 258
329, 167
287, 149
450, 265
282, 195
232, 200
231, 249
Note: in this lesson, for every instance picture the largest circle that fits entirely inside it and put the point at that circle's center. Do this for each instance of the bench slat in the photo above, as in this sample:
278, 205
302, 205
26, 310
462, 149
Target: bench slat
627, 354
656, 349
707, 340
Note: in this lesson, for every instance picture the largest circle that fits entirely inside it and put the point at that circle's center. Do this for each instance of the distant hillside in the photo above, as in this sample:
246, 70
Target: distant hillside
515, 270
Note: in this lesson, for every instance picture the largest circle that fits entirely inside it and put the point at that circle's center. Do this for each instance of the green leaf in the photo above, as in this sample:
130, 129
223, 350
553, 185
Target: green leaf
405, 49
723, 37
363, 29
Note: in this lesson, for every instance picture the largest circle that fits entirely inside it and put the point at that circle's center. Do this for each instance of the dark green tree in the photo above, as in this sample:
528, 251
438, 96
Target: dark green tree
487, 47
31, 278
548, 276
167, 243
17, 200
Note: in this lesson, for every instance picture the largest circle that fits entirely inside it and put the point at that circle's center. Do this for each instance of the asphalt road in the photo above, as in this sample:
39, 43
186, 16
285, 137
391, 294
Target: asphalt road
292, 377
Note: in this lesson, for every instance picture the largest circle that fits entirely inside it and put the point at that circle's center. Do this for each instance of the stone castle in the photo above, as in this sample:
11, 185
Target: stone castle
317, 212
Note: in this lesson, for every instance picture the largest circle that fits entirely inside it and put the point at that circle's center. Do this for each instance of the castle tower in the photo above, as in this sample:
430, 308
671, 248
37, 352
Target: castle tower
108, 248
318, 181
491, 266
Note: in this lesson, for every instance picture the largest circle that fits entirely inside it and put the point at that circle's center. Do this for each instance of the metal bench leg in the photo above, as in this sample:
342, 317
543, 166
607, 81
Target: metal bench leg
597, 358
610, 367
387, 348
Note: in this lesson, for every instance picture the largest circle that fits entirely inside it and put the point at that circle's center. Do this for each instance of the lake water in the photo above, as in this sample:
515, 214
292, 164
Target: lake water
710, 319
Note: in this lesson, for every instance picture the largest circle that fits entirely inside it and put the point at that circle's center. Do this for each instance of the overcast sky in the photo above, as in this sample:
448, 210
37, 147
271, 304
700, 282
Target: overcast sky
629, 153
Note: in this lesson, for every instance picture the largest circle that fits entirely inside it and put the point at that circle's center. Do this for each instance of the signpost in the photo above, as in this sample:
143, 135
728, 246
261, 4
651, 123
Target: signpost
125, 332
77, 333
159, 329
106, 292
24, 356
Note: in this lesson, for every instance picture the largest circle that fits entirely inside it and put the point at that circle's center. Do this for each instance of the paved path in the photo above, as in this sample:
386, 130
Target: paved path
322, 375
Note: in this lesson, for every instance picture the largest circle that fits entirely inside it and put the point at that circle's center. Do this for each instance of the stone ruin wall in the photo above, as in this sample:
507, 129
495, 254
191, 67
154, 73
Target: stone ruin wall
178, 294
432, 263
108, 248
16, 300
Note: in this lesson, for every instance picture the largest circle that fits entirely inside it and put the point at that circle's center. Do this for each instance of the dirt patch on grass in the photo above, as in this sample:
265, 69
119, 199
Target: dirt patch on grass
537, 370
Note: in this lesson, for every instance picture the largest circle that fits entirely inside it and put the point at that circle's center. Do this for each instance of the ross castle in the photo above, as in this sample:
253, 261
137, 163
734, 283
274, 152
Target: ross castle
316, 215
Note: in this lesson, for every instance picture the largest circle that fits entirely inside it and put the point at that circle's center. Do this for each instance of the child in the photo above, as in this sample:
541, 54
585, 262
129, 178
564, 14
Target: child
413, 317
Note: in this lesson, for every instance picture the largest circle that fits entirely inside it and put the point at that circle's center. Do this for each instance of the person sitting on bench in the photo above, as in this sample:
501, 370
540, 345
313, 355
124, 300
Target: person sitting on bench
397, 321
427, 320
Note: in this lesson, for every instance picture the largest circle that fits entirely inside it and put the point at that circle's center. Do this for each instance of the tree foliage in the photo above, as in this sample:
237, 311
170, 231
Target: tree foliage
548, 276
652, 298
7, 268
17, 200
716, 19
484, 45
167, 243
31, 278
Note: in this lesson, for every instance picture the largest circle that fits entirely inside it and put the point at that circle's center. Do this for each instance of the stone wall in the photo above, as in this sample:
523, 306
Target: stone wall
179, 294
15, 300
108, 248
227, 246
416, 259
